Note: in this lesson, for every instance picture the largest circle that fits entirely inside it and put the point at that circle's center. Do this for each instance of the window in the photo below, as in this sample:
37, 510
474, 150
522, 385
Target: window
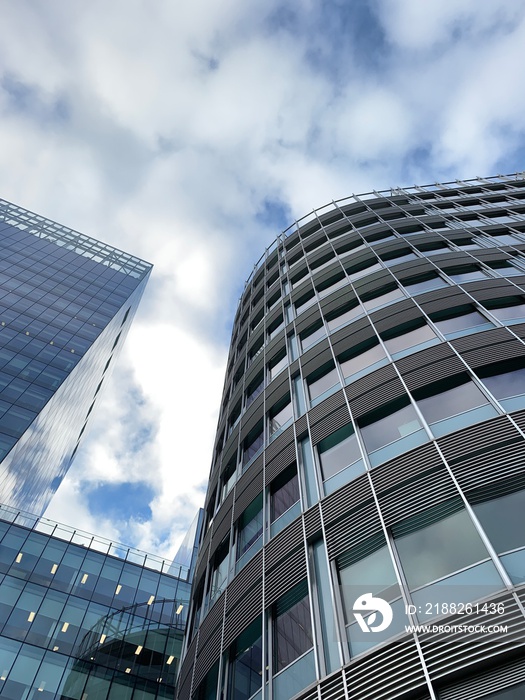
292, 627
362, 358
423, 283
391, 430
208, 688
254, 388
219, 575
280, 415
255, 350
277, 364
453, 404
438, 542
329, 285
397, 256
365, 267
339, 317
304, 301
467, 273
505, 268
340, 458
507, 309
385, 295
272, 301
284, 499
410, 335
502, 520
456, 321
228, 477
253, 443
433, 247
367, 568
312, 334
245, 669
506, 381
234, 417
503, 238
275, 327
321, 381
249, 531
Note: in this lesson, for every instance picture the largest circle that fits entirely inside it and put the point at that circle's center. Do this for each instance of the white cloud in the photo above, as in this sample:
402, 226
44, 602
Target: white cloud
164, 129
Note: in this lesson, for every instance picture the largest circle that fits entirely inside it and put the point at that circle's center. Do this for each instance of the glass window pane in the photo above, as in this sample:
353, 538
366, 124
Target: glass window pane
345, 314
245, 676
410, 338
398, 424
508, 313
449, 402
312, 335
504, 384
466, 318
418, 285
284, 492
371, 352
281, 415
250, 525
467, 276
292, 629
434, 550
338, 450
502, 520
384, 298
321, 381
361, 571
277, 365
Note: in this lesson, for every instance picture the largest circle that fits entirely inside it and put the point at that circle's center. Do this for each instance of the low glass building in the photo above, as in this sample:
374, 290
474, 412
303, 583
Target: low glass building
66, 304
365, 530
82, 618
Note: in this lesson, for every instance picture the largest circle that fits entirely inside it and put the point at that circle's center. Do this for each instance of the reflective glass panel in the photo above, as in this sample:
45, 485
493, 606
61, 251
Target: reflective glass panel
398, 424
467, 318
292, 627
245, 674
426, 283
502, 520
363, 356
505, 384
281, 415
250, 525
338, 318
449, 402
338, 450
410, 338
437, 544
284, 492
321, 381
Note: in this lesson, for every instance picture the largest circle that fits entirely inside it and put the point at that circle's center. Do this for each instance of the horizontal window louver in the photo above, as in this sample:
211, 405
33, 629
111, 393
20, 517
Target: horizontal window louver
427, 517
362, 550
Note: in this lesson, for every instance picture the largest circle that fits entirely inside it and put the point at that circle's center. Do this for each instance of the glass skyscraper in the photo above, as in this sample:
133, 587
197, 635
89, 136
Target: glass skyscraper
66, 303
83, 618
368, 470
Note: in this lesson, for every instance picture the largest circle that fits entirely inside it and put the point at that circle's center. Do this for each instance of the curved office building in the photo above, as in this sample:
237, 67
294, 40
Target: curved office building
365, 533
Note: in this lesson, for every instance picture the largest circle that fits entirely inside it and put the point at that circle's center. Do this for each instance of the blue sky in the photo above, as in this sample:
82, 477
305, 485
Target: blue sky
191, 135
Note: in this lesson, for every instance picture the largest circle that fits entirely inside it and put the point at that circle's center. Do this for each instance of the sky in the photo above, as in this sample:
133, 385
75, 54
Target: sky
191, 135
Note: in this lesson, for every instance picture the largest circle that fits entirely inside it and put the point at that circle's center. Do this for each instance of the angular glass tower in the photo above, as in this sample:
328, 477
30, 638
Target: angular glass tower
66, 303
85, 618
369, 465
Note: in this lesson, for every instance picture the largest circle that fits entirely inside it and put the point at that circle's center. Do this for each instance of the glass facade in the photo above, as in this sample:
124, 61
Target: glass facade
85, 618
66, 304
376, 482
